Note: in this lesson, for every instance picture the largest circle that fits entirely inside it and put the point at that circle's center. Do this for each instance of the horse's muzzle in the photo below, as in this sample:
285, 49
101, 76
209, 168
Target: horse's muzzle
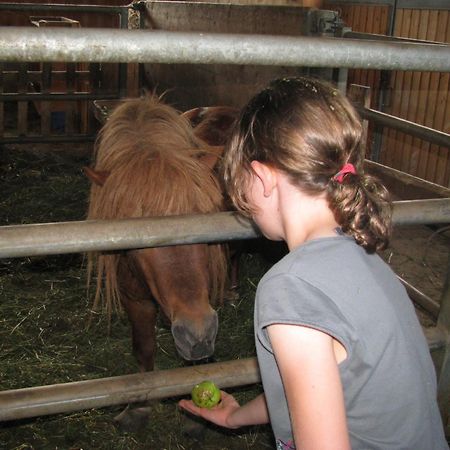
195, 340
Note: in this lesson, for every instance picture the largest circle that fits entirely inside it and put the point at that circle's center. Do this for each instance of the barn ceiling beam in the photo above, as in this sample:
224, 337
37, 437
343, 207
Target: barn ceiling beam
95, 235
27, 44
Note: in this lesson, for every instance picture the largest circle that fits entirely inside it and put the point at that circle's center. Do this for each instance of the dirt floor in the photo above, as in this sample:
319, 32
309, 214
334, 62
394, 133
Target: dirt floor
44, 311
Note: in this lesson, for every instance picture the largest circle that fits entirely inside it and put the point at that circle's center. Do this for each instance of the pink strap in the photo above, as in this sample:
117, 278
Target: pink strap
346, 168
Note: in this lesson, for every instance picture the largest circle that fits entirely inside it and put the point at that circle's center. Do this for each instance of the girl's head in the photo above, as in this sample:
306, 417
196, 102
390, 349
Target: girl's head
309, 130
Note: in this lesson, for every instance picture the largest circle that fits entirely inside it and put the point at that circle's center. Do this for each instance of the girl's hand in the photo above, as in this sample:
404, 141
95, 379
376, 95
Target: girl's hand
219, 414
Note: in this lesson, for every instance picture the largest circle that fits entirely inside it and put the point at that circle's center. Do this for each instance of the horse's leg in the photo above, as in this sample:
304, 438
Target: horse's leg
142, 313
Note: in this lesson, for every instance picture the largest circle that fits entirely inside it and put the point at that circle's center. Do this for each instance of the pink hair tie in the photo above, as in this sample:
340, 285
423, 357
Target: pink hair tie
346, 168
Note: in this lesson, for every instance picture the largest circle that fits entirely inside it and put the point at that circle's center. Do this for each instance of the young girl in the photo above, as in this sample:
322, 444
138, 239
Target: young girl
343, 359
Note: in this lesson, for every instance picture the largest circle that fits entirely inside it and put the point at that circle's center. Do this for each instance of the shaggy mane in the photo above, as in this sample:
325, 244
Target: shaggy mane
152, 157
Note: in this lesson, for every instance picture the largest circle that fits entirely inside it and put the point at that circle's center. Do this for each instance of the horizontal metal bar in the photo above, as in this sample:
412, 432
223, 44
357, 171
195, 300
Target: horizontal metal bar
369, 2
93, 235
423, 4
382, 37
436, 338
70, 237
405, 185
422, 212
414, 129
26, 139
139, 387
427, 303
55, 96
145, 46
399, 4
79, 395
59, 7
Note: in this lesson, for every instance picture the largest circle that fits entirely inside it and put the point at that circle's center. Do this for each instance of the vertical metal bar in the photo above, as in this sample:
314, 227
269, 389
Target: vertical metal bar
2, 104
444, 374
123, 67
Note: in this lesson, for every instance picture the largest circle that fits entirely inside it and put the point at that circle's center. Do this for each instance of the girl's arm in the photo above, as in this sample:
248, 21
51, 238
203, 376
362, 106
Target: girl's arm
311, 380
228, 413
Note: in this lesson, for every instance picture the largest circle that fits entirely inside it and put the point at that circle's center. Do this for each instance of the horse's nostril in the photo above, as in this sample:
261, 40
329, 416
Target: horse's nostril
202, 350
190, 344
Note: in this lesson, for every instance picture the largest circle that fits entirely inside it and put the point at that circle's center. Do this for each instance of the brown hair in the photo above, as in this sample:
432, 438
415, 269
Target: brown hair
309, 130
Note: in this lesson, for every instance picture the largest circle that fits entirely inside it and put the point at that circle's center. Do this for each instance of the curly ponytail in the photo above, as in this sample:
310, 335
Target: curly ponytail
362, 207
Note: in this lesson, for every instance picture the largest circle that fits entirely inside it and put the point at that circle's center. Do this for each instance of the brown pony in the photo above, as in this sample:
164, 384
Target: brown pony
149, 162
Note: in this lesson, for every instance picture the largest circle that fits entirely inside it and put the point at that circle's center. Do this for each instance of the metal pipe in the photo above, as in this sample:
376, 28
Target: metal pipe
75, 396
145, 46
422, 212
94, 235
139, 387
70, 237
414, 129
418, 297
383, 37
55, 138
443, 324
60, 7
54, 96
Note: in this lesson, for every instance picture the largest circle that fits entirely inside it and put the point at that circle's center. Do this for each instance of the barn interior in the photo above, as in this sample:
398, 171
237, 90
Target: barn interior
50, 113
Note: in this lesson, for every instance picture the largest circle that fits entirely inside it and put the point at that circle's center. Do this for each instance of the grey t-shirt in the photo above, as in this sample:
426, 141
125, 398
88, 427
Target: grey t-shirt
388, 377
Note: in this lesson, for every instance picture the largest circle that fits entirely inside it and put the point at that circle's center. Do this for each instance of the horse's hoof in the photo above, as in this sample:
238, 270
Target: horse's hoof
193, 428
232, 295
133, 420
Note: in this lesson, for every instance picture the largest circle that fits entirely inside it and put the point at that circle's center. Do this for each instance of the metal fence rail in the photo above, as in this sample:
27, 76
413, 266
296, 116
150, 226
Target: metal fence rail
414, 129
142, 46
93, 235
138, 387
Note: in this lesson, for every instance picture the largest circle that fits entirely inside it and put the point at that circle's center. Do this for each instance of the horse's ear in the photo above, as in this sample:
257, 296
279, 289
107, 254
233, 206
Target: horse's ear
98, 177
194, 115
214, 153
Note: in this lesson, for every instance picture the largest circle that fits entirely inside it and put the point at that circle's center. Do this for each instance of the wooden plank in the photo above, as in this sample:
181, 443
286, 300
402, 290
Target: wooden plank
133, 80
369, 74
439, 154
389, 135
22, 106
44, 106
443, 154
438, 106
409, 102
424, 160
424, 82
401, 29
401, 92
358, 26
69, 107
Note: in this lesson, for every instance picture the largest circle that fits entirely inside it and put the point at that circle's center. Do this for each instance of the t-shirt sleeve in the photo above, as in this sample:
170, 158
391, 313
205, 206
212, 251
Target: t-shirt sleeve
287, 299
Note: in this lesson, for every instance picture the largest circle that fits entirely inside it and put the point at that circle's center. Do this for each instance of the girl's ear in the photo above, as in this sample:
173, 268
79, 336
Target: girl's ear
266, 175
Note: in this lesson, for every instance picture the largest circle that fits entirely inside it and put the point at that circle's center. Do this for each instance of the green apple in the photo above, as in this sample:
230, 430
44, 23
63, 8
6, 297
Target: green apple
205, 394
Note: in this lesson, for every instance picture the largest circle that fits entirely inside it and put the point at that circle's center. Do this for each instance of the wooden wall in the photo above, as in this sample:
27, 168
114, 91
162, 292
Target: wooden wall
421, 97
